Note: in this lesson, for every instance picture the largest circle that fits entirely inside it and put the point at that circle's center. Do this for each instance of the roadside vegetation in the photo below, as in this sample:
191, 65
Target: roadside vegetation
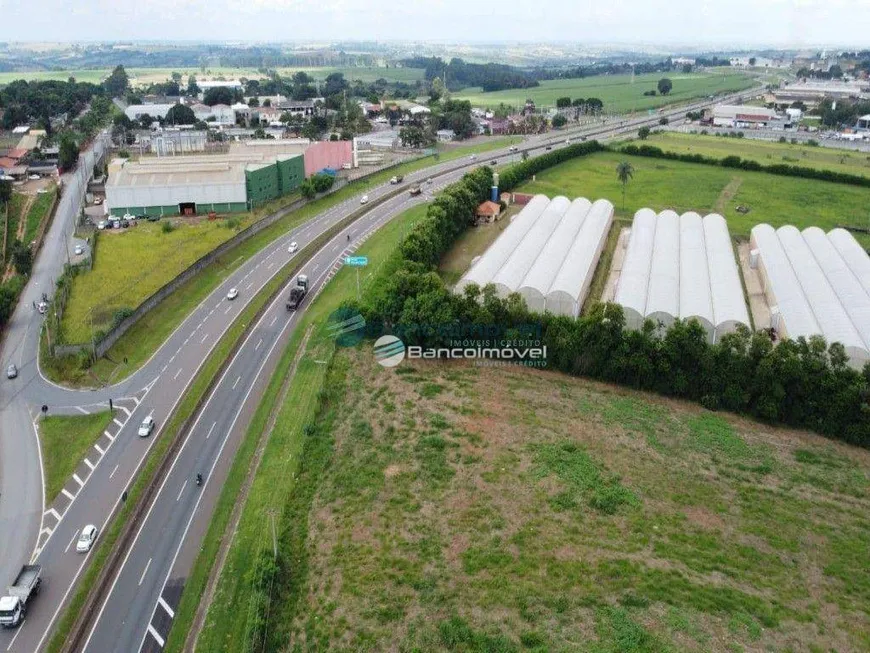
65, 440
619, 93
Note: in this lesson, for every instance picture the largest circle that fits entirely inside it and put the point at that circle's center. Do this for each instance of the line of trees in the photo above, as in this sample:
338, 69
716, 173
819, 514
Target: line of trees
801, 383
457, 74
782, 169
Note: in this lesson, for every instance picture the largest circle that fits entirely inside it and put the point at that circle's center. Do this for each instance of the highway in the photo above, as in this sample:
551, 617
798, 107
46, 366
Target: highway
139, 608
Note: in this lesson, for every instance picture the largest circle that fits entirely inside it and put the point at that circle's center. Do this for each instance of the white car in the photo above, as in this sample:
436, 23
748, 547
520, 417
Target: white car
87, 538
233, 293
364, 199
33, 177
79, 250
294, 247
98, 201
42, 307
473, 157
101, 224
146, 427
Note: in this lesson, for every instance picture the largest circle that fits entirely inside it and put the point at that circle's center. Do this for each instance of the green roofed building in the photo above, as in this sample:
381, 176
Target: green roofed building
191, 185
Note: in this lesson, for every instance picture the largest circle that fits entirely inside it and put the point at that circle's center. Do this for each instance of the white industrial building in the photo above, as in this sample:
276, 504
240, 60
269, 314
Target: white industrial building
681, 267
548, 254
136, 111
815, 285
743, 116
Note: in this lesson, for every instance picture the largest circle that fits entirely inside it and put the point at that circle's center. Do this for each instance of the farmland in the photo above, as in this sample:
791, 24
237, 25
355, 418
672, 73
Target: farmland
470, 508
619, 93
765, 152
662, 184
142, 76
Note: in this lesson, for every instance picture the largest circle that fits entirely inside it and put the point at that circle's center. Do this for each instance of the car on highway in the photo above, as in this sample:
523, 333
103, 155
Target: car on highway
79, 250
473, 157
514, 148
86, 539
429, 180
494, 162
548, 148
294, 247
364, 199
232, 294
146, 427
11, 371
101, 224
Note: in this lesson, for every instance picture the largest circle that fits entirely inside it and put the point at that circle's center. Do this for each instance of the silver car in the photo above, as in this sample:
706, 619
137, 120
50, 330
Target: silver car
11, 371
146, 427
87, 538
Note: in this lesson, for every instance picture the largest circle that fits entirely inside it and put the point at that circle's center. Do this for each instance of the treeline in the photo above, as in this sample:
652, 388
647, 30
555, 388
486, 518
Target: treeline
804, 384
25, 102
782, 169
841, 112
457, 74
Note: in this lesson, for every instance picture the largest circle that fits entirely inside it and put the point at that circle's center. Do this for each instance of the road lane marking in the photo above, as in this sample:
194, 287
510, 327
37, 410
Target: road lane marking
155, 635
53, 512
109, 435
258, 344
210, 430
69, 495
126, 410
273, 320
89, 464
78, 480
118, 422
17, 632
177, 373
71, 541
82, 410
144, 571
239, 378
163, 604
229, 308
203, 339
183, 485
97, 447
114, 470
248, 287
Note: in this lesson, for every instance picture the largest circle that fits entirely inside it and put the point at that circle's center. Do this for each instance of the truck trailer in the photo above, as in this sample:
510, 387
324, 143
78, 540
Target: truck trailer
14, 606
297, 293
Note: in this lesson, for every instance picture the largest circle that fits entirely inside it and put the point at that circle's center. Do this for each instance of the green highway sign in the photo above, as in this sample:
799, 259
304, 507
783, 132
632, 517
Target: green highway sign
356, 261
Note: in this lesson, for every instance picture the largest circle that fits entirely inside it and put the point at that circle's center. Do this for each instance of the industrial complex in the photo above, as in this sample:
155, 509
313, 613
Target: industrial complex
251, 173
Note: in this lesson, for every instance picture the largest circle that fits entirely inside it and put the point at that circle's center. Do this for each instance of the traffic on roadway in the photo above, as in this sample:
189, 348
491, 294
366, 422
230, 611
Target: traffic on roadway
139, 608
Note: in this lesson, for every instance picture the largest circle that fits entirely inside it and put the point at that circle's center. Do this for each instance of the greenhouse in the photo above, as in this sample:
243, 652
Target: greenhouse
634, 279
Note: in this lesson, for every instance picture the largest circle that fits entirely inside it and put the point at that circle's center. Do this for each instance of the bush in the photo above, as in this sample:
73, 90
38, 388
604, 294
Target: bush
232, 223
120, 315
322, 182
167, 227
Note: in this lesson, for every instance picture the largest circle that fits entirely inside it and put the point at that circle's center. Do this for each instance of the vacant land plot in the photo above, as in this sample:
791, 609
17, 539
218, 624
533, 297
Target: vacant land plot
38, 214
65, 440
661, 184
765, 152
620, 93
480, 509
131, 264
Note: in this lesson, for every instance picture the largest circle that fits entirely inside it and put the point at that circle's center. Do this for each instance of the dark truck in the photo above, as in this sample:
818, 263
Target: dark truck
14, 605
297, 293
415, 190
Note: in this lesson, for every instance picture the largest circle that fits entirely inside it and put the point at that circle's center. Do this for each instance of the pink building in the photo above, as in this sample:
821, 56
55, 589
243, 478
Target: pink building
327, 154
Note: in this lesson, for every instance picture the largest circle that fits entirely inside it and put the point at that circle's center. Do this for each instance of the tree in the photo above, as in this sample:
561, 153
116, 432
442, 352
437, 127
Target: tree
253, 102
192, 87
752, 61
180, 114
117, 83
643, 133
5, 191
176, 77
218, 95
624, 173
68, 152
594, 105
307, 189
437, 90
145, 121
22, 258
412, 137
559, 121
563, 102
664, 86
267, 102
835, 71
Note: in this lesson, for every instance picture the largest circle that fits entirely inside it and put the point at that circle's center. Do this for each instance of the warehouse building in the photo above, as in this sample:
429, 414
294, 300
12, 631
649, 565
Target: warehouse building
815, 284
743, 116
681, 267
548, 254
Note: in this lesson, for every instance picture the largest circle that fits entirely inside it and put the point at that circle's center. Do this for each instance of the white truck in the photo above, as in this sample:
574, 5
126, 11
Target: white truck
14, 605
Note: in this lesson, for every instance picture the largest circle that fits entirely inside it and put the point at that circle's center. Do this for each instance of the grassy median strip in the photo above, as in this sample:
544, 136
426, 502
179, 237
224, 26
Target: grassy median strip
65, 439
274, 481
138, 344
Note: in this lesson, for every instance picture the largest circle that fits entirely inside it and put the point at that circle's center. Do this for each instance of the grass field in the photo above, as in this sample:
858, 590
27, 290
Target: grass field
765, 152
65, 440
464, 508
38, 213
661, 184
618, 92
231, 613
130, 265
144, 76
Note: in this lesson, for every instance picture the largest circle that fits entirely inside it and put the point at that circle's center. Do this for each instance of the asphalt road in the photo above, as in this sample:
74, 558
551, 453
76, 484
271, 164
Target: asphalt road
149, 583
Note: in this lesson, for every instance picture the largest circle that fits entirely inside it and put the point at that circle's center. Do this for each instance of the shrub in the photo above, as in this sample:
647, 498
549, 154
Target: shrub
167, 227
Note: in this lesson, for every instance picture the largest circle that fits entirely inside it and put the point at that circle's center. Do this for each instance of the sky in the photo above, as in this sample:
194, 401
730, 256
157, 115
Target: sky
675, 22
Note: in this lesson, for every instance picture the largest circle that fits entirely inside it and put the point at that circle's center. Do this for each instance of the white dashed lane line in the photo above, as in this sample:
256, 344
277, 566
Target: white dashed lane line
183, 485
207, 435
258, 344
229, 308
73, 539
113, 471
239, 378
144, 571
177, 373
203, 338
